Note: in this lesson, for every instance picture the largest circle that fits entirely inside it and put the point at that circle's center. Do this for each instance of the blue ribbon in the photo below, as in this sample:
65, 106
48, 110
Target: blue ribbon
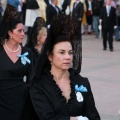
24, 59
80, 89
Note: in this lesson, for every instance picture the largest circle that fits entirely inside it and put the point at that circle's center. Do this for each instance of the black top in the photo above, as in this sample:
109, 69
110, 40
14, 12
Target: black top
108, 22
78, 11
32, 4
50, 13
96, 7
49, 104
13, 84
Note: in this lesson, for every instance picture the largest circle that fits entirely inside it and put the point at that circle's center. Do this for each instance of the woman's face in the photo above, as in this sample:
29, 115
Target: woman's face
18, 33
62, 56
43, 38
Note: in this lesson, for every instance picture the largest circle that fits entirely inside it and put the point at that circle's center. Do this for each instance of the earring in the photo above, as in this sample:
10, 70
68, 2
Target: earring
11, 37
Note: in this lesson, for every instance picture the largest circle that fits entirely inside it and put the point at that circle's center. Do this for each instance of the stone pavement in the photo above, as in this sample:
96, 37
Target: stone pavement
103, 71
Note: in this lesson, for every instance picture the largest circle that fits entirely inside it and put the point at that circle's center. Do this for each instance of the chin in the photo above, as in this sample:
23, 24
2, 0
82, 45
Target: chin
65, 68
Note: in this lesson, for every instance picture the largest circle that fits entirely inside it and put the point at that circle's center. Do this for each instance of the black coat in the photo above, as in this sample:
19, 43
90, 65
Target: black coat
50, 13
96, 7
78, 11
108, 22
32, 4
49, 103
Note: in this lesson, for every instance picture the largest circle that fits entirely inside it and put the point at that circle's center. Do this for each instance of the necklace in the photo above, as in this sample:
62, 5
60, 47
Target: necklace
12, 50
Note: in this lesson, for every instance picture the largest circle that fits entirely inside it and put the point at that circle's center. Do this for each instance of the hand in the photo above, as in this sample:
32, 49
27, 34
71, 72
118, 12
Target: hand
48, 26
79, 19
115, 27
100, 27
100, 20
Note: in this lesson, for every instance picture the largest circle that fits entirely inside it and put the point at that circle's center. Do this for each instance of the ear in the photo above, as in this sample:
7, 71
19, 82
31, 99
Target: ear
9, 33
50, 57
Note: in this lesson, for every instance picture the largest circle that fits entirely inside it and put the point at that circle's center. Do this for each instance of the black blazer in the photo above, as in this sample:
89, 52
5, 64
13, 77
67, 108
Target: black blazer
78, 11
108, 22
49, 104
50, 13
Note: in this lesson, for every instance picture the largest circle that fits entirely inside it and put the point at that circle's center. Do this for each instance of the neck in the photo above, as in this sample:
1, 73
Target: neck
59, 74
38, 47
12, 47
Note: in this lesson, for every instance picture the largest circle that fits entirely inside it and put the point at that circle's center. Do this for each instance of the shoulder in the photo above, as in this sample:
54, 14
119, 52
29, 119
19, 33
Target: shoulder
81, 80
26, 49
113, 8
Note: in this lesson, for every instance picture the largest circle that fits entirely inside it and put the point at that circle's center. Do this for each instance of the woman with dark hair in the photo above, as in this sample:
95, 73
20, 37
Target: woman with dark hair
37, 37
15, 66
57, 91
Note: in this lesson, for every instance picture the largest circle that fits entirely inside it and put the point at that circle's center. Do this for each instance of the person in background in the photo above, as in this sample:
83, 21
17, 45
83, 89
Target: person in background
1, 9
117, 30
43, 6
32, 12
48, 2
37, 37
4, 4
14, 3
96, 8
65, 4
78, 11
51, 11
89, 17
59, 92
15, 65
84, 19
108, 19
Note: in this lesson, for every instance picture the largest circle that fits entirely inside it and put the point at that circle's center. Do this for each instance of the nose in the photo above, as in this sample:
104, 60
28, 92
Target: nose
23, 33
67, 56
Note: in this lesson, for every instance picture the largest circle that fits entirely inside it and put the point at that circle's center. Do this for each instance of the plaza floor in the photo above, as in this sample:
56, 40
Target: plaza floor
103, 70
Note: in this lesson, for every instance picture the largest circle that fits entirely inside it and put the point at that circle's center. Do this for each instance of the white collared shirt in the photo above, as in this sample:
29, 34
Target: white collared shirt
108, 9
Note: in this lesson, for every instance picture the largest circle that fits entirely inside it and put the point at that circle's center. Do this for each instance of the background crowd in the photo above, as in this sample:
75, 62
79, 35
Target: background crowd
87, 11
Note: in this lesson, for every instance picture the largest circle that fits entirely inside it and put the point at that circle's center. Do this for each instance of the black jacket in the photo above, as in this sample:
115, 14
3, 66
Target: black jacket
96, 7
50, 13
78, 11
108, 22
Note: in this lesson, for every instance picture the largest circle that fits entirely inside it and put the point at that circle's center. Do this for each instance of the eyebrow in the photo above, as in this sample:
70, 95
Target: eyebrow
63, 50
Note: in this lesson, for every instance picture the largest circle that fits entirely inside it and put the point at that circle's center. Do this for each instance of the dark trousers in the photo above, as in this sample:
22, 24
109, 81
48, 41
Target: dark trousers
108, 35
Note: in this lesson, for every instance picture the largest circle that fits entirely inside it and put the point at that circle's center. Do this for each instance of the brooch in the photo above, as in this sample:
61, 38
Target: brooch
24, 59
78, 91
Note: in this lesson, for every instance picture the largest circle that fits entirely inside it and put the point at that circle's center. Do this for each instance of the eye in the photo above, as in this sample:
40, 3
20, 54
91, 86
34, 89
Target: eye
71, 53
61, 52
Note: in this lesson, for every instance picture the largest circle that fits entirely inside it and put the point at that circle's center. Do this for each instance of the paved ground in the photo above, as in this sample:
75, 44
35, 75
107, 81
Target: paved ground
103, 70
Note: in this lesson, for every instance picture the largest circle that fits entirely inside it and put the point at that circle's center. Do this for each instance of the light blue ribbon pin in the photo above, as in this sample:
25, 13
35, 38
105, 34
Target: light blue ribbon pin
80, 89
24, 59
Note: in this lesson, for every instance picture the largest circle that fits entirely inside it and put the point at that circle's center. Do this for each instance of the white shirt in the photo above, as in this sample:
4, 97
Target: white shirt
108, 10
